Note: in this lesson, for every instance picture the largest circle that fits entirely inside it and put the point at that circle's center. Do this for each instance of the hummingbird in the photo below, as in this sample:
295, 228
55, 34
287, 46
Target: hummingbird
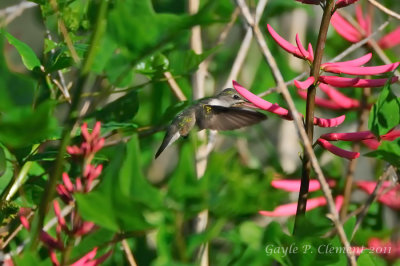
225, 111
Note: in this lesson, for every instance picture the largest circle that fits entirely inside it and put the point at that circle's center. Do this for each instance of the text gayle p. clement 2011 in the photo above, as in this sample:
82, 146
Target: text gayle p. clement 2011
321, 249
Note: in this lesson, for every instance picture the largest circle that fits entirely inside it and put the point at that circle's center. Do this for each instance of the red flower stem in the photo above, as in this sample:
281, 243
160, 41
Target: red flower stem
310, 107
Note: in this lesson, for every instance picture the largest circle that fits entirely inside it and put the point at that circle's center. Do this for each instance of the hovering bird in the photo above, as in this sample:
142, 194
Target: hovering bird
225, 111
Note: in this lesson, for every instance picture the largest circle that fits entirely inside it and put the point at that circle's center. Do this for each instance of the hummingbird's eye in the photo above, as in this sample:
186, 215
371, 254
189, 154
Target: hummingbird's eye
236, 97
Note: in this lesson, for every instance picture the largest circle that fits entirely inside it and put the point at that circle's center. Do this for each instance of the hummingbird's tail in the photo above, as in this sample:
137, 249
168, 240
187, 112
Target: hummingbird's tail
170, 137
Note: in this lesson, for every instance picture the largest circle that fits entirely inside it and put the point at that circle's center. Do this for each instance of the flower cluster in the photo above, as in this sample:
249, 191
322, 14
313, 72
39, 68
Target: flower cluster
355, 34
388, 194
78, 227
327, 83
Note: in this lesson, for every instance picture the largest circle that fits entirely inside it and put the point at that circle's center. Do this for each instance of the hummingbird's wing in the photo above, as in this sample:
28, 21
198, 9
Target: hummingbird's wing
229, 118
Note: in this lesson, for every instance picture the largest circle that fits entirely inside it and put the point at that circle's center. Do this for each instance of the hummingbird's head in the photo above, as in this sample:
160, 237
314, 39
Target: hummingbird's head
231, 98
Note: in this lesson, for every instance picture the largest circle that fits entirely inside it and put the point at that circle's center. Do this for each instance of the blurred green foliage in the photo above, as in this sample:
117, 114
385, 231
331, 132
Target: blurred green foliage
151, 203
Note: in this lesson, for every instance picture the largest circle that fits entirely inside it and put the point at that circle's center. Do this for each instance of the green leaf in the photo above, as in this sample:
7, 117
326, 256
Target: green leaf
385, 113
24, 126
185, 62
121, 110
3, 162
28, 56
368, 258
155, 64
152, 31
388, 151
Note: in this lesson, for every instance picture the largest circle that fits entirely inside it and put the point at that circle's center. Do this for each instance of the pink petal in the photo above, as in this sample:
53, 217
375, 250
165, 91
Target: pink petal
67, 182
343, 3
391, 198
85, 228
25, 222
392, 135
345, 29
332, 122
89, 256
96, 130
310, 53
287, 46
337, 151
290, 209
57, 211
355, 62
294, 185
339, 202
303, 50
84, 132
373, 144
53, 258
364, 23
339, 81
322, 102
304, 84
339, 98
373, 70
74, 150
367, 83
353, 136
64, 194
390, 40
261, 103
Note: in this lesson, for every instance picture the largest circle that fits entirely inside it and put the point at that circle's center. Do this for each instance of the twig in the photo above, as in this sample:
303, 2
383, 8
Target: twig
174, 86
222, 36
245, 45
385, 9
374, 195
198, 80
64, 32
128, 253
337, 58
12, 12
362, 121
299, 125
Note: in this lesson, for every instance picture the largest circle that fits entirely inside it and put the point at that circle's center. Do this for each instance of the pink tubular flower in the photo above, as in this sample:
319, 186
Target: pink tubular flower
355, 34
293, 185
321, 101
386, 249
282, 112
336, 150
339, 98
290, 209
390, 40
342, 82
86, 260
390, 198
365, 136
373, 70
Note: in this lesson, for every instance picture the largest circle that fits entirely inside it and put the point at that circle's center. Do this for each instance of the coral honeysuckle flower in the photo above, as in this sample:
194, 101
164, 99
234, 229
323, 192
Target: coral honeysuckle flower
293, 185
282, 112
390, 198
290, 209
353, 34
337, 151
